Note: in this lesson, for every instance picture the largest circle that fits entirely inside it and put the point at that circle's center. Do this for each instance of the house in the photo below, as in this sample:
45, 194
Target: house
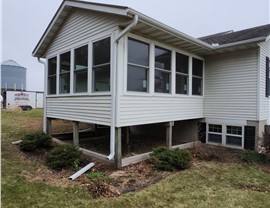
113, 66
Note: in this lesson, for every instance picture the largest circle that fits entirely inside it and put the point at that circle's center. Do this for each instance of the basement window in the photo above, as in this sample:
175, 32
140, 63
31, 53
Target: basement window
101, 65
197, 76
162, 70
138, 66
81, 69
215, 133
181, 74
64, 73
234, 135
52, 66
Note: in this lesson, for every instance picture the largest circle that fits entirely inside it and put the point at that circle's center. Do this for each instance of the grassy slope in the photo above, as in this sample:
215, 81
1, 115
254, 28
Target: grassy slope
207, 185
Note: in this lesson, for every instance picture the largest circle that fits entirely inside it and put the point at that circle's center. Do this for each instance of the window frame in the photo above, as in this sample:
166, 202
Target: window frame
267, 77
215, 133
92, 83
54, 75
140, 66
63, 73
187, 75
197, 77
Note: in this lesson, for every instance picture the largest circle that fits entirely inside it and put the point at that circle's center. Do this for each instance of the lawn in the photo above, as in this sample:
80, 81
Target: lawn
205, 184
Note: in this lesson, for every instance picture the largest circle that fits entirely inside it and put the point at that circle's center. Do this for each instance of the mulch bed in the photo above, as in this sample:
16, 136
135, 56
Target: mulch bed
116, 182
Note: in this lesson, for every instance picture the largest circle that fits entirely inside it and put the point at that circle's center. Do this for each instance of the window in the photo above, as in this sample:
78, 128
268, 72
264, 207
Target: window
162, 70
52, 65
215, 133
81, 69
181, 74
197, 76
267, 78
101, 65
64, 73
234, 135
138, 66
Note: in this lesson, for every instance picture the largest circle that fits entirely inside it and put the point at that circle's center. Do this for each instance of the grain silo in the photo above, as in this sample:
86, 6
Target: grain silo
13, 76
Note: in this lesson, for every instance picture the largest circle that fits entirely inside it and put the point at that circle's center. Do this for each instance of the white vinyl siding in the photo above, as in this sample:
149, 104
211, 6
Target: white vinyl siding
81, 25
135, 110
96, 109
231, 85
264, 101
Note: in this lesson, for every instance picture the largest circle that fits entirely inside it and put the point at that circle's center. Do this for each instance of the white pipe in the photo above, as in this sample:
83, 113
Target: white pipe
44, 96
128, 28
82, 171
112, 136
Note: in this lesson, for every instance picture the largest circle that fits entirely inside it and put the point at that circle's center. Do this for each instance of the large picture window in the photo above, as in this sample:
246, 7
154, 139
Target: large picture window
138, 66
181, 74
162, 70
52, 66
64, 73
197, 76
101, 65
81, 69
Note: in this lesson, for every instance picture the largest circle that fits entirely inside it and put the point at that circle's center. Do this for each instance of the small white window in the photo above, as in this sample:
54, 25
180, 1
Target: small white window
234, 136
215, 133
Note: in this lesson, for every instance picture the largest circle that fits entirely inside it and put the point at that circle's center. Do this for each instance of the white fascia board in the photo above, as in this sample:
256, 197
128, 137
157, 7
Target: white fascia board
168, 29
221, 121
106, 8
238, 43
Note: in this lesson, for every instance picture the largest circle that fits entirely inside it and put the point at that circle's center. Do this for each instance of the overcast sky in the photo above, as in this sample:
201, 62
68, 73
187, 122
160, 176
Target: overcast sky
24, 21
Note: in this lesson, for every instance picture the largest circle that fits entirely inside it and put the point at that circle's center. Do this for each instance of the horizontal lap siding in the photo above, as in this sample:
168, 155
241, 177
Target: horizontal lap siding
231, 85
264, 101
81, 25
85, 109
136, 110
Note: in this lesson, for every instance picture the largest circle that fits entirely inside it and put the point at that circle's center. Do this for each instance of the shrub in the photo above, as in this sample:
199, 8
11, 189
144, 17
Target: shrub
96, 175
32, 142
63, 156
170, 159
254, 157
265, 145
206, 154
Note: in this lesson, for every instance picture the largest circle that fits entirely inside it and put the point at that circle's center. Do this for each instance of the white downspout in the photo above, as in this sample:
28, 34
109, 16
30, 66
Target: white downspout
113, 106
44, 97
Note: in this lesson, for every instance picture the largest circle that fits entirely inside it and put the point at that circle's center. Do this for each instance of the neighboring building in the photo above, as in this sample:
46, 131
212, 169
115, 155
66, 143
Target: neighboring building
113, 66
13, 76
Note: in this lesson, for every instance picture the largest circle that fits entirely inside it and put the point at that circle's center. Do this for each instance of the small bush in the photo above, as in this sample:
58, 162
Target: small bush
95, 175
170, 159
252, 157
206, 154
63, 156
32, 142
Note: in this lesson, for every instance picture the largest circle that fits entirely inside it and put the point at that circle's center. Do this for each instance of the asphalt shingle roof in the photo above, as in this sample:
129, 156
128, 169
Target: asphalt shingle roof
231, 36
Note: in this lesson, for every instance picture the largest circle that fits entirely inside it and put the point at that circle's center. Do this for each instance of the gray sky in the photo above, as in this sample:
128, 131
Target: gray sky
24, 21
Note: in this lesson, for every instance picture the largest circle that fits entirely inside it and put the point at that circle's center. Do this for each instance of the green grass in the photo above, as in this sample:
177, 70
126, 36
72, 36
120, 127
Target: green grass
208, 185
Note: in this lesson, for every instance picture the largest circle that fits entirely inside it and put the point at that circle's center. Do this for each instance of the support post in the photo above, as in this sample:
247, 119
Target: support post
49, 126
169, 126
127, 135
76, 133
118, 148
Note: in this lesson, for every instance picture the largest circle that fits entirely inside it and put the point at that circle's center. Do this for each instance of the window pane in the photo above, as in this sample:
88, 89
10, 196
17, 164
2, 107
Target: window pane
232, 140
215, 138
80, 78
234, 130
137, 79
81, 58
162, 81
181, 63
52, 85
181, 84
64, 83
197, 67
102, 52
215, 128
138, 52
52, 66
162, 58
196, 86
65, 62
102, 78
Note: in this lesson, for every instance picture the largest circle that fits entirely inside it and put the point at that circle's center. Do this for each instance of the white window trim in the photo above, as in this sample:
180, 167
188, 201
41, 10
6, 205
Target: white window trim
68, 93
224, 134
